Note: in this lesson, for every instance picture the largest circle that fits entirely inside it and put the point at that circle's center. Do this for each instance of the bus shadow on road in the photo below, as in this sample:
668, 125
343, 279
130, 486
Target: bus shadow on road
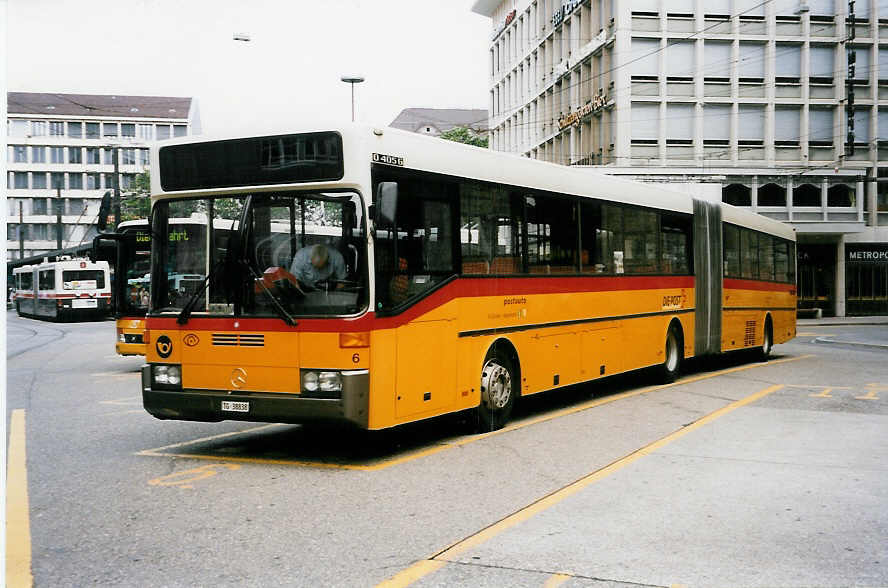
338, 446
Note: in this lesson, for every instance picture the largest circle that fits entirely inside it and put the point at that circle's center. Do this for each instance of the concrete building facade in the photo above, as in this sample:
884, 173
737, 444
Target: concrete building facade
749, 98
64, 144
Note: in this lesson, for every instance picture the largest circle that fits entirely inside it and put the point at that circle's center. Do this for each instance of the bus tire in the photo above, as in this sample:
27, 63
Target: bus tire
674, 353
499, 386
767, 340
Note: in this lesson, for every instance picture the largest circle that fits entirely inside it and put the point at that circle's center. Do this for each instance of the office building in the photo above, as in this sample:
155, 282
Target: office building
744, 98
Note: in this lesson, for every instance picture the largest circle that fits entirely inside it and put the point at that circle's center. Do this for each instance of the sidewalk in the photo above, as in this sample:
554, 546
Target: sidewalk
842, 321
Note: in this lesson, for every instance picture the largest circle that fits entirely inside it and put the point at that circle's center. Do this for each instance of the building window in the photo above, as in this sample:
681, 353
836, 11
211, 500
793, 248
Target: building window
20, 154
128, 156
92, 130
788, 59
717, 124
681, 60
180, 130
737, 195
787, 125
57, 180
108, 156
109, 181
751, 65
820, 127
109, 129
20, 180
806, 195
128, 130
861, 126
93, 181
126, 181
144, 157
645, 122
163, 132
92, 155
75, 130
38, 154
644, 61
56, 129
146, 132
75, 181
38, 206
17, 128
822, 61
76, 206
772, 195
38, 232
841, 196
57, 154
75, 155
38, 181
38, 128
861, 63
751, 122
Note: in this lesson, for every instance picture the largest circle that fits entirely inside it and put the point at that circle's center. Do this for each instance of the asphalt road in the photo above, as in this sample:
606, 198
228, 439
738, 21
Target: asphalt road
740, 474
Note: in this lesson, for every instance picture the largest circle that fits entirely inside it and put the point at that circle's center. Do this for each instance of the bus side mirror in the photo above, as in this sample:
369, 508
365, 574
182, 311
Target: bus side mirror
386, 202
103, 249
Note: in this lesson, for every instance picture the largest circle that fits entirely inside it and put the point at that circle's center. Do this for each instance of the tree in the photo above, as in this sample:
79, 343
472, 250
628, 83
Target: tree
464, 135
135, 203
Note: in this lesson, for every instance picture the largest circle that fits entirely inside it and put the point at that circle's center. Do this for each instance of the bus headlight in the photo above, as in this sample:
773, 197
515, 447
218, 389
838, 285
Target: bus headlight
330, 382
168, 377
120, 336
322, 383
310, 381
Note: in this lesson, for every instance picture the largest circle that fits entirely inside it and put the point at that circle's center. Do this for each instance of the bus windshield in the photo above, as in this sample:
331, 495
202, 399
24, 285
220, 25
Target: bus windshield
284, 254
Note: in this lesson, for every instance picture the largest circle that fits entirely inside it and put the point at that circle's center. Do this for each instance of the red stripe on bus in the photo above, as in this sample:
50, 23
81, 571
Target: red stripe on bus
460, 288
737, 284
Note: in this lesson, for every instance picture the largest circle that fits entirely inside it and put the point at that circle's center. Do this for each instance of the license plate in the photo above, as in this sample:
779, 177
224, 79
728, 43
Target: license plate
89, 303
230, 406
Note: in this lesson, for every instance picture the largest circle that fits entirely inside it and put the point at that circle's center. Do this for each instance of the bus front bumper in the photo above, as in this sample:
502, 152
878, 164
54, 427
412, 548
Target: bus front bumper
206, 405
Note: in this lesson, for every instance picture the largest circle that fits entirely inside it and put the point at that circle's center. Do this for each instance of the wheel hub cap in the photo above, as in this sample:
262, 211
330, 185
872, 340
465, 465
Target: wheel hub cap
496, 385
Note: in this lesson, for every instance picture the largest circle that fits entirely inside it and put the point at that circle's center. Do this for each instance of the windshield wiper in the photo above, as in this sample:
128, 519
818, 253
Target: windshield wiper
198, 294
282, 312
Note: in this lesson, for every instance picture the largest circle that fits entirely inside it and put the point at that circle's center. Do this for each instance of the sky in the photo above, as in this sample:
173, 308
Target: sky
412, 54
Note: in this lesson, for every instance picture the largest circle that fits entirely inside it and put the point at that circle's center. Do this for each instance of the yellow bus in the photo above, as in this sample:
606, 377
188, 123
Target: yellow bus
132, 284
380, 277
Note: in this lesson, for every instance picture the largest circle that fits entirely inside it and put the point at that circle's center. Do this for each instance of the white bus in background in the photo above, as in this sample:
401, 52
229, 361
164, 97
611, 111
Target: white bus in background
63, 289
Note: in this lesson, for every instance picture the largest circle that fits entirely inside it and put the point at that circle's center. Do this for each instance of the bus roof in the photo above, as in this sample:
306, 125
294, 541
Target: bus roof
434, 155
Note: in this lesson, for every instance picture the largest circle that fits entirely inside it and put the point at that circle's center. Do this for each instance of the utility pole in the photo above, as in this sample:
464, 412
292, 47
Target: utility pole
116, 206
21, 229
58, 207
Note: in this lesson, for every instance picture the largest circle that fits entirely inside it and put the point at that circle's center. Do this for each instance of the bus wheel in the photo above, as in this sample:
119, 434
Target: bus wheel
674, 354
497, 391
767, 340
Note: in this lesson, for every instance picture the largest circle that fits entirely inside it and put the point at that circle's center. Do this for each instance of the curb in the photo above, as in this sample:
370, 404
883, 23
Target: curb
879, 346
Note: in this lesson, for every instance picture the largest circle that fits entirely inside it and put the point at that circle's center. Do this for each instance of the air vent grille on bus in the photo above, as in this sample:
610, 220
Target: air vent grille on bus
749, 336
238, 340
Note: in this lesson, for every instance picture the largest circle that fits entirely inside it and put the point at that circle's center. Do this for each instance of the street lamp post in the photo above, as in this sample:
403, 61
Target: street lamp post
352, 80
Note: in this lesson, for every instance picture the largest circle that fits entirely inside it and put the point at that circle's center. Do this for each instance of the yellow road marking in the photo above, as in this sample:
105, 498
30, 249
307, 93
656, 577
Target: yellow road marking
184, 478
824, 394
556, 580
438, 560
871, 390
18, 524
458, 442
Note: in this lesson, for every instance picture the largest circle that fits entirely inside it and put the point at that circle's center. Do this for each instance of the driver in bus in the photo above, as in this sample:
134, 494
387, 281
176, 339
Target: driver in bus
317, 263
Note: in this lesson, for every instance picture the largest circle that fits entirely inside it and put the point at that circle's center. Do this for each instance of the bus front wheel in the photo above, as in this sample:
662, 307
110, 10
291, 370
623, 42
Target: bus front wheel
498, 390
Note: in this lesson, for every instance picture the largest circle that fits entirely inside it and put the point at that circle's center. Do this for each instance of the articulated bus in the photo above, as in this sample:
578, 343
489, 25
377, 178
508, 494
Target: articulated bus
132, 284
452, 279
63, 289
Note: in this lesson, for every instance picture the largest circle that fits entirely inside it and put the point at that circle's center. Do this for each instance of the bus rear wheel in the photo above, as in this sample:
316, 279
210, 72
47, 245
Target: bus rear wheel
673, 355
498, 390
767, 341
